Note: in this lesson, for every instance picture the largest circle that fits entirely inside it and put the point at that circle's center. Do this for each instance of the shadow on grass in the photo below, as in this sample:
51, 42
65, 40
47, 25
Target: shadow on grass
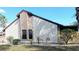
4, 47
55, 48
39, 48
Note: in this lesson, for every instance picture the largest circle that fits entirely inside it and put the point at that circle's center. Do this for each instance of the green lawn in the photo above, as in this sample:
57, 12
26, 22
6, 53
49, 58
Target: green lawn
37, 48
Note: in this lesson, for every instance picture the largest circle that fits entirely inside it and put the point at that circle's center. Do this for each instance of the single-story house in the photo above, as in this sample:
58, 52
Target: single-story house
29, 26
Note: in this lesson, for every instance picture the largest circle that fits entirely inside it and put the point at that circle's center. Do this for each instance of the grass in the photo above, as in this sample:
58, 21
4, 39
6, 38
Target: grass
22, 48
4, 47
37, 48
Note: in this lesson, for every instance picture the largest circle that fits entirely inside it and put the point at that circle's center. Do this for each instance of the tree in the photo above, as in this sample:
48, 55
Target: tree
74, 23
3, 21
77, 16
75, 37
66, 35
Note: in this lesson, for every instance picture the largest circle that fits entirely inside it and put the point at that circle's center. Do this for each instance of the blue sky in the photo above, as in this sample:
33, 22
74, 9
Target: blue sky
61, 15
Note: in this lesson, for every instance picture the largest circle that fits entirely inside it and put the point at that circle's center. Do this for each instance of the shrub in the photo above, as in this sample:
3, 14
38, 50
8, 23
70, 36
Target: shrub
47, 39
38, 40
10, 39
16, 41
31, 41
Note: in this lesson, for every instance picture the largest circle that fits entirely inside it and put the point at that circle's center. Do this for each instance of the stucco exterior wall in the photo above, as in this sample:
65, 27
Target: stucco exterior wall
2, 39
44, 30
13, 30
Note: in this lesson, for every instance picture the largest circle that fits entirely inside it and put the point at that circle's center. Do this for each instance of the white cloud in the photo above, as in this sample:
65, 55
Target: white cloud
2, 11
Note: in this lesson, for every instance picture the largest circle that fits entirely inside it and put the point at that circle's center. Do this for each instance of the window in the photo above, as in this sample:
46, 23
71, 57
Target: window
24, 34
30, 34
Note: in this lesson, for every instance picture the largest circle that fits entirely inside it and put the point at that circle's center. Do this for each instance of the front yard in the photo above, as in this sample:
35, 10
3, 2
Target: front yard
37, 48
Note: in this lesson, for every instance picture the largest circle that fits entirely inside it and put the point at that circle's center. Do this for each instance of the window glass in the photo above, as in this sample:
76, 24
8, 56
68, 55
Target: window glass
24, 34
30, 34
